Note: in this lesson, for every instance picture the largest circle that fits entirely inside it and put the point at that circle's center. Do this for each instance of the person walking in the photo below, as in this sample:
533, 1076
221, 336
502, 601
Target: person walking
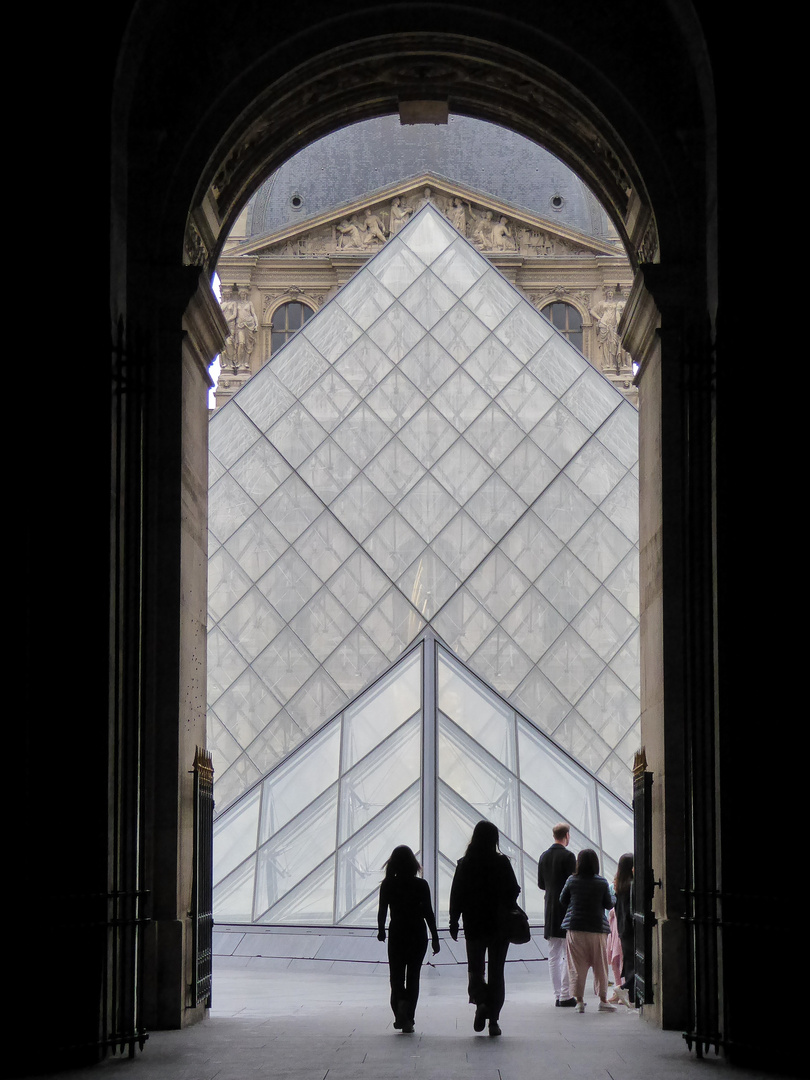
406, 895
585, 898
484, 890
554, 867
623, 888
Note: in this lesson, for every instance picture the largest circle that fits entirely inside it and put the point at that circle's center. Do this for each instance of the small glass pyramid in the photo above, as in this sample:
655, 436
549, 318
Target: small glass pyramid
426, 452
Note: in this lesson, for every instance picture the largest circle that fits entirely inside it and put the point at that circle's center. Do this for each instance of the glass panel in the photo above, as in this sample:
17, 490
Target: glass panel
358, 584
298, 365
292, 507
396, 267
227, 582
599, 545
428, 507
310, 903
609, 708
380, 777
225, 663
322, 624
332, 336
361, 507
459, 267
528, 470
396, 332
462, 471
428, 365
559, 434
477, 710
289, 584
281, 736
557, 365
604, 623
460, 400
256, 545
619, 433
362, 435
427, 235
592, 398
246, 707
251, 624
395, 400
231, 437
386, 705
526, 400
296, 850
428, 583
567, 584
355, 663
394, 471
328, 471
462, 545
563, 508
361, 861
324, 546
541, 702
558, 781
427, 299
595, 470
260, 471
228, 507
478, 778
330, 400
492, 366
499, 660
296, 435
498, 584
394, 545
570, 664
621, 506
460, 332
463, 623
236, 838
581, 742
534, 624
363, 366
299, 781
524, 331
364, 298
491, 298
427, 435
233, 897
285, 665
495, 507
318, 699
627, 663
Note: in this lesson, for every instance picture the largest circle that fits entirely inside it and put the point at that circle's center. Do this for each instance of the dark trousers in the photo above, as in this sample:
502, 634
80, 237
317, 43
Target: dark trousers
486, 958
405, 955
629, 964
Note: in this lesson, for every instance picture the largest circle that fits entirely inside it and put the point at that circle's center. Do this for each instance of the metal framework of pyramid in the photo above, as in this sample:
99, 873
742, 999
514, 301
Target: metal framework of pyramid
427, 453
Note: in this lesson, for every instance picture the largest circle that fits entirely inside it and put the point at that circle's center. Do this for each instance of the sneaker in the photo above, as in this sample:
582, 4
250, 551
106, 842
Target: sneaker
580, 1006
494, 1028
566, 1003
480, 1018
623, 996
605, 1006
407, 1027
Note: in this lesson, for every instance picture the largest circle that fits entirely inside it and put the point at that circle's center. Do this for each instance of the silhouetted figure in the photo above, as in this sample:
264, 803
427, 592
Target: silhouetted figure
586, 897
623, 887
554, 867
407, 896
484, 889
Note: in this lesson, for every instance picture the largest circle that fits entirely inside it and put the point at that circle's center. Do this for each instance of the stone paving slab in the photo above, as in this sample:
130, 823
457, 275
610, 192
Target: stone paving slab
331, 1023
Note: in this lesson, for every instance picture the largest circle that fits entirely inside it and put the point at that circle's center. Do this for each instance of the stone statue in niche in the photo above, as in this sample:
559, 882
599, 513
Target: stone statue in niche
502, 239
457, 216
607, 314
427, 197
243, 326
398, 215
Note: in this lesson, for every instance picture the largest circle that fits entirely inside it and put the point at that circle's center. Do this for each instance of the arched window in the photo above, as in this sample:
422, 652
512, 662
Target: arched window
286, 320
567, 320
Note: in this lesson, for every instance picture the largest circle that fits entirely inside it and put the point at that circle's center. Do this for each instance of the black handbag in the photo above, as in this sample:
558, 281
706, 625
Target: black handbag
516, 926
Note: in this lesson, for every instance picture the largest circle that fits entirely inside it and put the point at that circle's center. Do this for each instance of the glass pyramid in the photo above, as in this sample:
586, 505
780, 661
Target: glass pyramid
418, 758
426, 452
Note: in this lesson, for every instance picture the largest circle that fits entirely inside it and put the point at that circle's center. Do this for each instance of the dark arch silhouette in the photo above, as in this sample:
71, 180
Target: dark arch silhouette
204, 100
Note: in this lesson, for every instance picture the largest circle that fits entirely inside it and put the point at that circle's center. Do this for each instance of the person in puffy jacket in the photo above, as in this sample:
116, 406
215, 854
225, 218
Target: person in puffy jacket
483, 891
586, 899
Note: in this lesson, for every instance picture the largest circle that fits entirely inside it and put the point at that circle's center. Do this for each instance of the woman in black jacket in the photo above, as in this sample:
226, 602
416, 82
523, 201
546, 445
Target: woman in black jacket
623, 887
407, 896
586, 897
484, 889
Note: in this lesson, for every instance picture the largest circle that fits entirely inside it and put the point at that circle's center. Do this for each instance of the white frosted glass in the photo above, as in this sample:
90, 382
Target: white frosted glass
559, 434
364, 298
355, 663
362, 435
498, 584
427, 235
396, 267
322, 624
495, 506
540, 701
428, 583
395, 400
525, 400
592, 398
333, 336
492, 366
222, 745
580, 740
567, 584
278, 739
617, 826
621, 506
501, 662
462, 471
531, 545
299, 781
284, 665
460, 332
627, 663
361, 507
428, 435
460, 400
595, 470
604, 623
459, 267
309, 903
318, 699
296, 435
619, 433
462, 545
394, 545
609, 707
386, 705
491, 298
534, 624
363, 366
246, 707
427, 299
563, 508
396, 332
557, 365
427, 507
328, 471
358, 584
238, 779
233, 897
524, 331
227, 582
225, 663
528, 470
330, 400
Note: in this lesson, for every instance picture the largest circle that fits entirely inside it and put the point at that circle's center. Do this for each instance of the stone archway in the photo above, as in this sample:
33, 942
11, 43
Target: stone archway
205, 101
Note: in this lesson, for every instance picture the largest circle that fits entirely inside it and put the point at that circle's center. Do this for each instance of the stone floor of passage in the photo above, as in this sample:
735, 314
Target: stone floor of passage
306, 1019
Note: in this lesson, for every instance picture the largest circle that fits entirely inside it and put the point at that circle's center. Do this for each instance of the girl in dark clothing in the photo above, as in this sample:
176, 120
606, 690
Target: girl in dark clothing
484, 888
407, 896
586, 897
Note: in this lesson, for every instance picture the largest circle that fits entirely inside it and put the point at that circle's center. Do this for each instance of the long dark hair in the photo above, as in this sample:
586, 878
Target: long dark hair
624, 874
484, 843
587, 863
401, 864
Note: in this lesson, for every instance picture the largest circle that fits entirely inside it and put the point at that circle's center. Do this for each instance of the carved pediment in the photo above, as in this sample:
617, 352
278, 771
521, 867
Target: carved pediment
362, 226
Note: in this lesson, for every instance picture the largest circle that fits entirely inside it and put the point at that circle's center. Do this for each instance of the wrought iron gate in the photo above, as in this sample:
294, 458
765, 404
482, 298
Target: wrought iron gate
202, 912
643, 880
